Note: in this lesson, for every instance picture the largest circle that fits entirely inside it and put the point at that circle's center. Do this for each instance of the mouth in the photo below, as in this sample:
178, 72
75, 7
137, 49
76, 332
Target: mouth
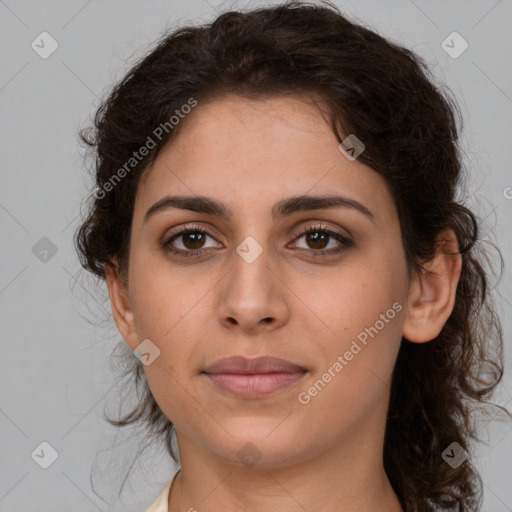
253, 378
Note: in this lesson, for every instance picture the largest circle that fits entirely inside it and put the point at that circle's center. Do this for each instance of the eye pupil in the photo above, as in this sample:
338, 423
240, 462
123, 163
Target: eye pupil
316, 238
195, 234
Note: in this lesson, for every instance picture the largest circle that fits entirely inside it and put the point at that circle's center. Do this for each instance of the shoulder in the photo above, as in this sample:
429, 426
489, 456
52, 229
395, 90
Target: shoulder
161, 503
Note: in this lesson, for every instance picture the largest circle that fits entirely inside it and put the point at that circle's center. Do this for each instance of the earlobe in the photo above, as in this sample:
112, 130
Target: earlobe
121, 308
432, 294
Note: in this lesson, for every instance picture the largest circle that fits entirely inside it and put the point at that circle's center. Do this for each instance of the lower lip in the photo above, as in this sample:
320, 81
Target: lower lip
253, 385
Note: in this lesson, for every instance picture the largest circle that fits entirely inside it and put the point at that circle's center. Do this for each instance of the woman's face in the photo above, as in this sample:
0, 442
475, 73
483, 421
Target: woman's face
261, 287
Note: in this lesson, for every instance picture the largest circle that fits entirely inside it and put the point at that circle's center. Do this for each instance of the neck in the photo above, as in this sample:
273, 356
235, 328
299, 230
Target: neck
346, 477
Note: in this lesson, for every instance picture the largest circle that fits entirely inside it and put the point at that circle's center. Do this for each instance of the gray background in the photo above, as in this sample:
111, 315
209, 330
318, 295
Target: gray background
56, 378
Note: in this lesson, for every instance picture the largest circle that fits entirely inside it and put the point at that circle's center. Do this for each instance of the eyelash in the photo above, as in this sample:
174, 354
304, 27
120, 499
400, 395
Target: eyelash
346, 243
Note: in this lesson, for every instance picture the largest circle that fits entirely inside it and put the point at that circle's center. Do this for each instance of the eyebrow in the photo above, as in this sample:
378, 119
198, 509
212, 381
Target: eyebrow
281, 209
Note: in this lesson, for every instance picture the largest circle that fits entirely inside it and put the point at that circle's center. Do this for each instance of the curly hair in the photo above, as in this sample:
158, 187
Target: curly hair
410, 125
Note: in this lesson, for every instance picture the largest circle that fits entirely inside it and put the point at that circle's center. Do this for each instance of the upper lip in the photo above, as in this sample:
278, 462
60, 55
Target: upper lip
241, 364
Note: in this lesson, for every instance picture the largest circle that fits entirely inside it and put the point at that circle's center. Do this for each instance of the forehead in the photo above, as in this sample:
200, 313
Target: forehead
250, 154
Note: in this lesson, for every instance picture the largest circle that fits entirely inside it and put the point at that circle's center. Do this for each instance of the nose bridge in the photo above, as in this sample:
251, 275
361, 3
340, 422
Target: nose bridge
250, 275
251, 293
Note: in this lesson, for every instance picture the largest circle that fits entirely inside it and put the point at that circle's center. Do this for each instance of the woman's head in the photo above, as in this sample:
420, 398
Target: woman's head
232, 132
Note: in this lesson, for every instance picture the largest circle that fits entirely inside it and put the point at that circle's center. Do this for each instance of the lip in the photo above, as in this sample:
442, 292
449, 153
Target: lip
253, 378
262, 364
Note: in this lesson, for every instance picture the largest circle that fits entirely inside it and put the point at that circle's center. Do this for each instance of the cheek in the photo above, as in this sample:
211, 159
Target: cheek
357, 315
164, 296
355, 368
346, 300
177, 398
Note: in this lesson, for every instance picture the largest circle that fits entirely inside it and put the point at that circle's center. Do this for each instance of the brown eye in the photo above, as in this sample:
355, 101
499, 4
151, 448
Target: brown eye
317, 239
192, 240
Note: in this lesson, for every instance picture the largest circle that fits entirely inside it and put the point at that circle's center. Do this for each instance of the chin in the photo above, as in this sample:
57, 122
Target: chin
264, 447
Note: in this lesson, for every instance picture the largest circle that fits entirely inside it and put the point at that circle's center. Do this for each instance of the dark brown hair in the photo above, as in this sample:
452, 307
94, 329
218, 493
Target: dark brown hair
386, 96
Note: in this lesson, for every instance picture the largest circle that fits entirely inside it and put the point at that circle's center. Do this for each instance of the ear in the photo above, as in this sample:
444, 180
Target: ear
432, 294
120, 302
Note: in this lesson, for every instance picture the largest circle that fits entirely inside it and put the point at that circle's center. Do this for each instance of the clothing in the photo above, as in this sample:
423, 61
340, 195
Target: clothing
161, 504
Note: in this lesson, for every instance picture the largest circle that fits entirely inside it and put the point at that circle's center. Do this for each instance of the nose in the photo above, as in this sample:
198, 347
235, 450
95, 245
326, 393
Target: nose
254, 296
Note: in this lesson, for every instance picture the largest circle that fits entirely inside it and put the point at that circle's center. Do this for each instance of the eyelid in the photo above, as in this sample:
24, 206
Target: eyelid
345, 241
179, 230
187, 229
320, 226
301, 230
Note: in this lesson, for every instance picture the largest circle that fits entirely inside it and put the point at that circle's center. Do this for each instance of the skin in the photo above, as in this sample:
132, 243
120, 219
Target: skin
326, 454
